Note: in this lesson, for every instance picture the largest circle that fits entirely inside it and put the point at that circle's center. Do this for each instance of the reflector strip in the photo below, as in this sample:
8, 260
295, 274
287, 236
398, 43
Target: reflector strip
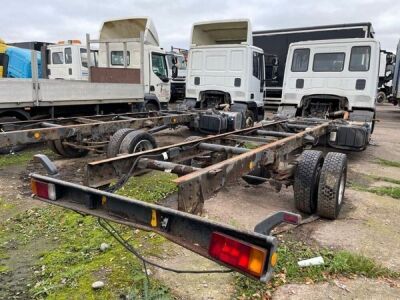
238, 254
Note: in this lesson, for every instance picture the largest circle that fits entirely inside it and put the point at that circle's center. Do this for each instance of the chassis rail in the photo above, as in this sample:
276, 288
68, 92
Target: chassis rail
81, 129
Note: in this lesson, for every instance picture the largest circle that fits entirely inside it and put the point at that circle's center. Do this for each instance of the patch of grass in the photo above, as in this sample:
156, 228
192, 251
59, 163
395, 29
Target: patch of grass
387, 179
388, 163
150, 187
76, 260
5, 205
337, 263
391, 191
20, 158
4, 269
249, 145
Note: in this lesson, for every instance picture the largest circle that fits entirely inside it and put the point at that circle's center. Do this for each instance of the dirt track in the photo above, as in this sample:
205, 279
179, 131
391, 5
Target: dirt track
368, 223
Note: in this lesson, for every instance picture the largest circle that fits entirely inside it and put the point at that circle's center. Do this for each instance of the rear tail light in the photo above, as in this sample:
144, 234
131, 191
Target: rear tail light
246, 257
291, 218
44, 190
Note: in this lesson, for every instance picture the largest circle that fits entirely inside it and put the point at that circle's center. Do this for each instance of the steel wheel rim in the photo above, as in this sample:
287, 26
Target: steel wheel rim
143, 145
341, 190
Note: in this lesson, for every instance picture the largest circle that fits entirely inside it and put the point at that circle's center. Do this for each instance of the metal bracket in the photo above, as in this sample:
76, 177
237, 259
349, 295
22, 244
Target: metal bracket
47, 164
265, 227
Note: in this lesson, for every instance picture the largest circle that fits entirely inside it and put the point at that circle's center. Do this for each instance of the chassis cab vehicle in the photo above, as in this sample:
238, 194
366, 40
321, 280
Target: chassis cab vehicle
68, 60
225, 68
334, 79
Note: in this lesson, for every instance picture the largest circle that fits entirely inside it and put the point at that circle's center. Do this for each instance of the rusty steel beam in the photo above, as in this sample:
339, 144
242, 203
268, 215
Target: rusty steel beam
96, 130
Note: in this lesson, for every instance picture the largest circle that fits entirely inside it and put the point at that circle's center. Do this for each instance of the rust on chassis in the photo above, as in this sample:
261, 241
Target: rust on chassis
95, 128
221, 160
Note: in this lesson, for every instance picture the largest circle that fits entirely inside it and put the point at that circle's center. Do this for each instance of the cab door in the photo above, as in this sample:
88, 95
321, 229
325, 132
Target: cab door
159, 81
257, 78
58, 68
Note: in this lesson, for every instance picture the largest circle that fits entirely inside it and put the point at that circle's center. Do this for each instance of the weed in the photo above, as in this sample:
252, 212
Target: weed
388, 163
150, 187
75, 260
342, 263
20, 158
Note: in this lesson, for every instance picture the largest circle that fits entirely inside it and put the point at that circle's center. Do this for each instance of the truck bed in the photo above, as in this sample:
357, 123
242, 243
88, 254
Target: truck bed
46, 92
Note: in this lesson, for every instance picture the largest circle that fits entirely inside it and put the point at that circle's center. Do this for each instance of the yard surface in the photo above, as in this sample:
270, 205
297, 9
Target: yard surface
50, 253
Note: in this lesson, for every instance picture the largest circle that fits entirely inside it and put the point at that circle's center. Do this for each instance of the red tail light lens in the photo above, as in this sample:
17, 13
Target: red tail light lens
291, 218
44, 190
238, 254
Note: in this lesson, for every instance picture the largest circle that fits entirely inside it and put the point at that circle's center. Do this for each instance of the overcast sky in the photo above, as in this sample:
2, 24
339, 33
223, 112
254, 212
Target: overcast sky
54, 20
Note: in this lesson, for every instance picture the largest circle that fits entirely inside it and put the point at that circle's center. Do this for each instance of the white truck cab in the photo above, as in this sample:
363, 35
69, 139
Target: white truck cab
155, 77
225, 68
68, 60
334, 79
325, 77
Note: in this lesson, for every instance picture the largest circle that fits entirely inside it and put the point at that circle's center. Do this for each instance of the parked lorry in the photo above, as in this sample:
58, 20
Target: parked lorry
334, 79
177, 67
19, 63
224, 68
275, 44
155, 76
68, 60
113, 86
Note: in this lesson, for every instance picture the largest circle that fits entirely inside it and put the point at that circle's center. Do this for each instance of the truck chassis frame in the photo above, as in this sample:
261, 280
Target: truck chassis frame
204, 166
89, 132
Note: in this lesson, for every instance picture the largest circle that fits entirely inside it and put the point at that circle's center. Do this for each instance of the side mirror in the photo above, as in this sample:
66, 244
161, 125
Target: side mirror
174, 60
174, 71
165, 79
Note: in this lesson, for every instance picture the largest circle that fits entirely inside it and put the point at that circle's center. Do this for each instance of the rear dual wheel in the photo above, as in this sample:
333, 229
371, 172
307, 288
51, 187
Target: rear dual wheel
319, 183
127, 140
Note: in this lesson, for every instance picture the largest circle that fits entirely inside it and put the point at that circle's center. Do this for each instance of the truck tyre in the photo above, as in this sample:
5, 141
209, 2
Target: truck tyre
52, 147
258, 172
306, 179
137, 141
381, 97
115, 141
68, 151
332, 184
151, 106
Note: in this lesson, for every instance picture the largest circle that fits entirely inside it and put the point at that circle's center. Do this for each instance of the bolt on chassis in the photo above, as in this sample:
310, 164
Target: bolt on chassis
275, 151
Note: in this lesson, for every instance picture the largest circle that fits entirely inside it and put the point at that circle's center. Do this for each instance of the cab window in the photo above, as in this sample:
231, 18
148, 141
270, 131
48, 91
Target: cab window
301, 58
360, 58
328, 62
57, 58
258, 66
84, 60
68, 56
117, 58
159, 65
